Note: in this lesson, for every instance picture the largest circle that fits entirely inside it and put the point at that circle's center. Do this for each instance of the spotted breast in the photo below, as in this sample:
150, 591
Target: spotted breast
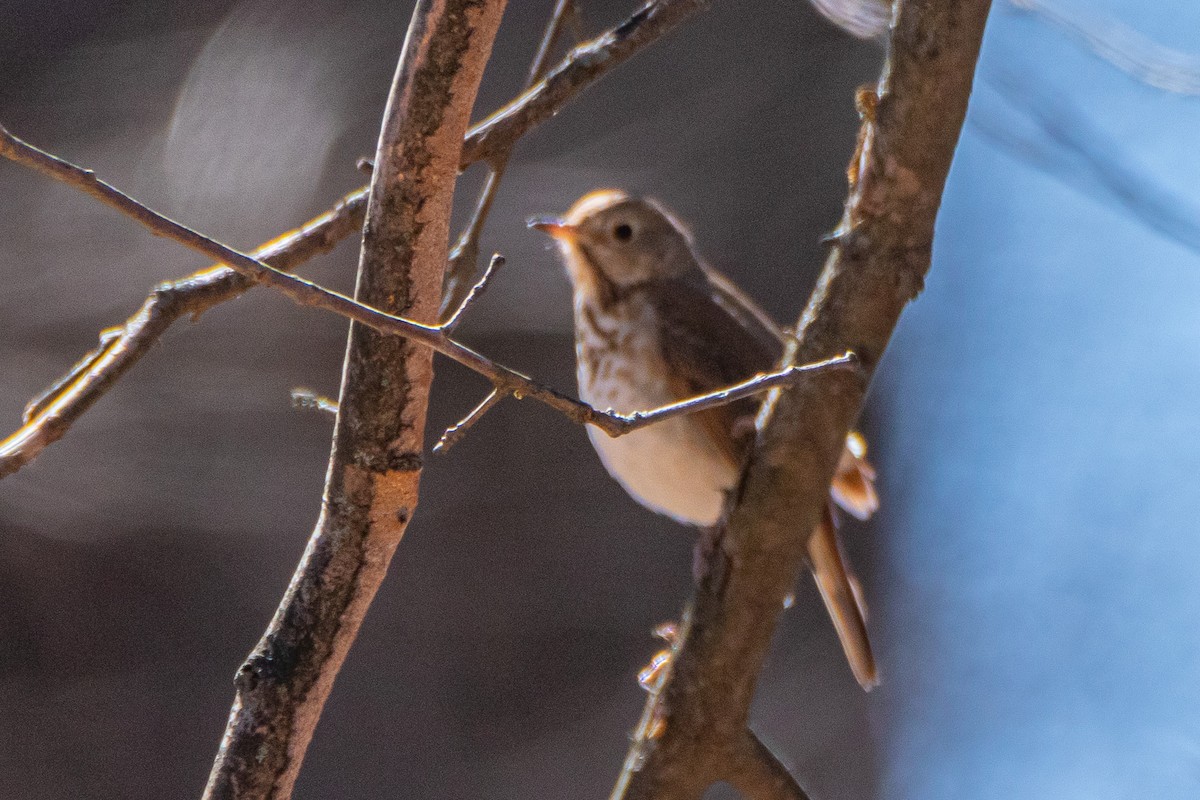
670, 467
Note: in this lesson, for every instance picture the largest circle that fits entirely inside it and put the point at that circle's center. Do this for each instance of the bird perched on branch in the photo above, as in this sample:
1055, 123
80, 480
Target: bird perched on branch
653, 326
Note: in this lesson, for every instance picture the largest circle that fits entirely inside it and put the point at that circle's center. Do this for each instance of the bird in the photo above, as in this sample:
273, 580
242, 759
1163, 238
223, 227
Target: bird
655, 325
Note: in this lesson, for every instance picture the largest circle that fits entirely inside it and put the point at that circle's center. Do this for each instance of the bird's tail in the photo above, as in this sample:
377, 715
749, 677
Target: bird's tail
853, 489
843, 599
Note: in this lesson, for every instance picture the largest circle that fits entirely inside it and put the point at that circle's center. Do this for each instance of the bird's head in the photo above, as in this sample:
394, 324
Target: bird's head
611, 239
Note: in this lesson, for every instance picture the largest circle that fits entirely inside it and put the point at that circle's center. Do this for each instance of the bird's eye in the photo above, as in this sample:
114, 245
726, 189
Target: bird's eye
623, 232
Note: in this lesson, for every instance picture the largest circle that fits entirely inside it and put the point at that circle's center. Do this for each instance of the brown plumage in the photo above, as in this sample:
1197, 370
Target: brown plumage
655, 326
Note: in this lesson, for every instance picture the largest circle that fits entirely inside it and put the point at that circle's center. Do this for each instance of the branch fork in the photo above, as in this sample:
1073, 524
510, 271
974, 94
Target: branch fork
49, 416
303, 292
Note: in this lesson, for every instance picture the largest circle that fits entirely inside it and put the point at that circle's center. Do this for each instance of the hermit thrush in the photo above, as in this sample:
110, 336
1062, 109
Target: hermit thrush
653, 326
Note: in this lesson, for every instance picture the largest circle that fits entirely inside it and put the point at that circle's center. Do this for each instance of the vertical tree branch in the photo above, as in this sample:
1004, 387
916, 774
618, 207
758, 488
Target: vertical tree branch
371, 485
693, 731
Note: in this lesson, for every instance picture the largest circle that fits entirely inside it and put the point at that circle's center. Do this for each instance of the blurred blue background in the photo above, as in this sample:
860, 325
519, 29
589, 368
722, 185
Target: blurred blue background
1031, 575
1038, 417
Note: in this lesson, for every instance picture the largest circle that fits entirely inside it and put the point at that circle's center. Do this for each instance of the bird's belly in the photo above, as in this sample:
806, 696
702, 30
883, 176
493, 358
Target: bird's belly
670, 467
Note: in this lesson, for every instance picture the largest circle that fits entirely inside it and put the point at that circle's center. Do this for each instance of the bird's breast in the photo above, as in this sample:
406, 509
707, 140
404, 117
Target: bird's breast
671, 467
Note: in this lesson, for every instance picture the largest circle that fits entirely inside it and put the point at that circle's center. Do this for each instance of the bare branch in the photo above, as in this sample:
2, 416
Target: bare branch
748, 388
758, 775
457, 431
98, 371
307, 293
371, 485
615, 424
465, 254
566, 13
493, 266
48, 417
108, 338
581, 68
912, 121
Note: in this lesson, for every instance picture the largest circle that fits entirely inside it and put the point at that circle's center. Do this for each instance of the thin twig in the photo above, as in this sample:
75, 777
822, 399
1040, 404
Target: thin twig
577, 71
566, 13
48, 417
496, 262
456, 432
309, 294
465, 254
626, 423
95, 374
615, 424
109, 337
694, 725
309, 400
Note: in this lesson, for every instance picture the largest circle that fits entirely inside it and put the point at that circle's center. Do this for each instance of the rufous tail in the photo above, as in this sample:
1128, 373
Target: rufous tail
843, 599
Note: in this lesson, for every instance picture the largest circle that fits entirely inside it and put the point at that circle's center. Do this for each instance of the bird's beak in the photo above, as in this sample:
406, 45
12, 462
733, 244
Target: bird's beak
555, 227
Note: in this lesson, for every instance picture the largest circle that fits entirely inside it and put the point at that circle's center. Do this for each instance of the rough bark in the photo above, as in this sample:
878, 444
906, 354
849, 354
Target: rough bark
371, 485
693, 732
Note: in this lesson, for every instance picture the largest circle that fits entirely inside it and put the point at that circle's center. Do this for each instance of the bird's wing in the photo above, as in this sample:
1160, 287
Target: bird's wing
707, 345
750, 314
853, 486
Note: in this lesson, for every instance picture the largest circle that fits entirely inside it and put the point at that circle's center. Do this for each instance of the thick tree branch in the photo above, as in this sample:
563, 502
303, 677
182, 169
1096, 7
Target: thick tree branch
50, 415
878, 264
758, 775
371, 486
